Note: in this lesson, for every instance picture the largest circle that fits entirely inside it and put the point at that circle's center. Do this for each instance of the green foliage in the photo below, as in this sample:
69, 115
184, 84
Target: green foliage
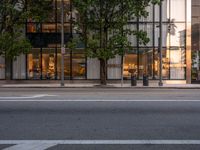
103, 25
13, 15
12, 45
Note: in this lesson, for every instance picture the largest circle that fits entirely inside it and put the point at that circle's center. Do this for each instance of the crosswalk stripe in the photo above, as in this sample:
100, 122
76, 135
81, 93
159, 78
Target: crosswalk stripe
31, 146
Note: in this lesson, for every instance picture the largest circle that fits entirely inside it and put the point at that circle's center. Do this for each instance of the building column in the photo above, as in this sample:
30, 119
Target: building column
188, 41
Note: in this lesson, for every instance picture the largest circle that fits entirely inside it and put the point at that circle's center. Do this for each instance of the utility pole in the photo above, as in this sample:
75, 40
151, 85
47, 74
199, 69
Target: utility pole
160, 43
62, 44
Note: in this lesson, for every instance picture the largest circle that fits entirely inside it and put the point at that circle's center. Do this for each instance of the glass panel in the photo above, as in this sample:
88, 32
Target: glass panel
165, 11
165, 67
165, 37
66, 65
2, 67
78, 65
34, 64
178, 10
145, 63
177, 34
66, 10
49, 28
149, 18
130, 65
177, 63
195, 40
132, 39
59, 64
149, 29
33, 27
48, 63
195, 65
51, 16
66, 27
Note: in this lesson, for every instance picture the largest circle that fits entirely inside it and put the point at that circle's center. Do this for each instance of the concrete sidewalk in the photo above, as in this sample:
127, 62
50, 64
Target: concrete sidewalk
90, 85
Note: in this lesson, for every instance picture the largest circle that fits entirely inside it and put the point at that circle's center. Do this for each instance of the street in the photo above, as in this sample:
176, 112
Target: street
99, 119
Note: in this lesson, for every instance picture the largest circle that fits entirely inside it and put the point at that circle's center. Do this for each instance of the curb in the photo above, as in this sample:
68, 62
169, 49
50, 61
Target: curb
97, 87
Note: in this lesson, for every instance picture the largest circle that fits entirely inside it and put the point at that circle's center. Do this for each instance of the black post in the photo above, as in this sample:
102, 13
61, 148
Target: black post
160, 43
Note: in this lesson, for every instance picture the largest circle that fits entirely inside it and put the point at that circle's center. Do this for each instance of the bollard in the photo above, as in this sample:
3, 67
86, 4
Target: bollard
133, 80
145, 80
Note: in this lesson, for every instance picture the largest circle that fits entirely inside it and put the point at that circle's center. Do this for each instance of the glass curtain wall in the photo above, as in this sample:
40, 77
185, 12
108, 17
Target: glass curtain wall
145, 59
44, 61
195, 40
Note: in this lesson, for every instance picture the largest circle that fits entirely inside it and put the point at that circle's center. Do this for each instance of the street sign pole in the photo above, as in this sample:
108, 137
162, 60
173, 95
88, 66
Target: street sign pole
62, 44
160, 44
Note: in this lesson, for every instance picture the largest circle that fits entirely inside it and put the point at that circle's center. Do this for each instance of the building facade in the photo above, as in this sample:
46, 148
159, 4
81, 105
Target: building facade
44, 61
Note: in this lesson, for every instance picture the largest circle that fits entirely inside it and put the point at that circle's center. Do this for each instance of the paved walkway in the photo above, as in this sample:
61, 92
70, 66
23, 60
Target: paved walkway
89, 85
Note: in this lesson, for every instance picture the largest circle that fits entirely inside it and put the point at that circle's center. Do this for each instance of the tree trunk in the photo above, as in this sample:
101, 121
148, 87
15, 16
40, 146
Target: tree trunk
103, 71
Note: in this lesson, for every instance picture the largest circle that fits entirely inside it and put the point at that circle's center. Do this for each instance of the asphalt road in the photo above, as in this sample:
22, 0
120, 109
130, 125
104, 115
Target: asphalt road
36, 114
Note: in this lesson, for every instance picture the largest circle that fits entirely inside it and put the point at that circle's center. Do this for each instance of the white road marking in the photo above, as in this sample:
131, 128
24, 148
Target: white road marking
26, 97
30, 146
100, 142
86, 100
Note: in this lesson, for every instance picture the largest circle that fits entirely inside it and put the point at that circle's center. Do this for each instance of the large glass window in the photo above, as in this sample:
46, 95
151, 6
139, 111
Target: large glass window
79, 65
132, 39
177, 34
130, 64
66, 27
195, 40
178, 10
148, 28
165, 66
34, 64
145, 63
33, 27
48, 64
67, 67
177, 63
49, 28
149, 18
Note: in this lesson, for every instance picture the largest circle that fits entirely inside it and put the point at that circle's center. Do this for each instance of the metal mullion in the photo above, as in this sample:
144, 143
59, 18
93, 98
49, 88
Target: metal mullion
168, 47
56, 49
138, 60
153, 41
41, 69
71, 37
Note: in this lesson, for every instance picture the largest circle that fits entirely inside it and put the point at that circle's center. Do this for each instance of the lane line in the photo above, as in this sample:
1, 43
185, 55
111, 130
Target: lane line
102, 142
98, 100
26, 97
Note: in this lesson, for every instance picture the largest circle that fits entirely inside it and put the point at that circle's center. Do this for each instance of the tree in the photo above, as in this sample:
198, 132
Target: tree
102, 25
13, 15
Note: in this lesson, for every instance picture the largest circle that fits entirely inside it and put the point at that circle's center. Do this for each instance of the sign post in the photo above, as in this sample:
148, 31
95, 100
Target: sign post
62, 44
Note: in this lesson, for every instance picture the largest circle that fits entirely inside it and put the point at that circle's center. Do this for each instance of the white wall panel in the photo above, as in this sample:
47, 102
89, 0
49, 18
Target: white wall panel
93, 68
19, 67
